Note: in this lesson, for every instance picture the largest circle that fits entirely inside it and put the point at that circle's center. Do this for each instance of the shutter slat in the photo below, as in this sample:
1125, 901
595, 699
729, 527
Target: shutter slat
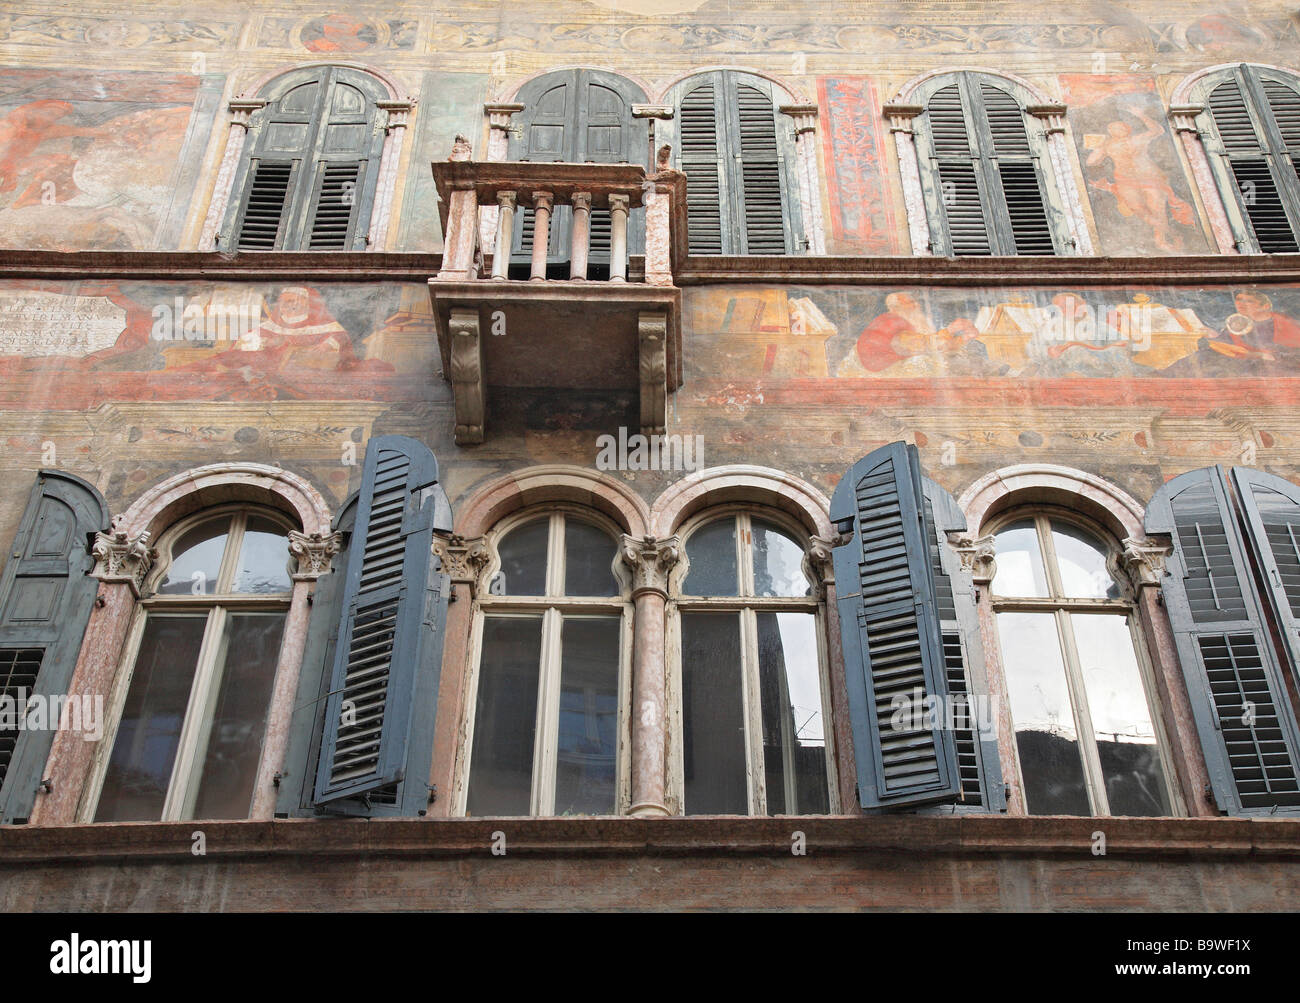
263, 222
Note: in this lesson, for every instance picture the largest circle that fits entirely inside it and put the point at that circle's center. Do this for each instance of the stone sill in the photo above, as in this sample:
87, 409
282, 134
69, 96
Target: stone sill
954, 836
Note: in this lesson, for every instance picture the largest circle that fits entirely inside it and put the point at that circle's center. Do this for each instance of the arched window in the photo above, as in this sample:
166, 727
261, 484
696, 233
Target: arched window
738, 154
749, 675
985, 171
191, 713
1088, 741
579, 116
548, 722
1250, 126
310, 165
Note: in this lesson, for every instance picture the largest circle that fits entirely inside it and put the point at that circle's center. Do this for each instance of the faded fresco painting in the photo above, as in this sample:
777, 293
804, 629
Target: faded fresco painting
853, 146
1014, 334
105, 164
337, 33
79, 345
1136, 185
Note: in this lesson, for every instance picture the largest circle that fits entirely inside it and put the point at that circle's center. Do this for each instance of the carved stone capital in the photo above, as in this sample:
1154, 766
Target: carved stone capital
1184, 117
1144, 560
241, 111
508, 200
978, 557
499, 114
650, 560
619, 203
804, 115
314, 552
652, 111
399, 113
900, 116
462, 559
819, 563
581, 200
120, 558
543, 201
1051, 115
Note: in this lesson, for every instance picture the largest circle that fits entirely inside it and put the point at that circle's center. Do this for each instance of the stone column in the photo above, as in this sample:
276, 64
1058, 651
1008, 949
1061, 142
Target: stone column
1184, 117
121, 564
581, 237
900, 125
810, 202
461, 239
504, 236
399, 113
650, 561
1053, 118
542, 204
618, 205
241, 114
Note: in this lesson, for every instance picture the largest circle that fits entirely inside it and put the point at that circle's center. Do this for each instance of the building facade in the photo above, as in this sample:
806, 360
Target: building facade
649, 454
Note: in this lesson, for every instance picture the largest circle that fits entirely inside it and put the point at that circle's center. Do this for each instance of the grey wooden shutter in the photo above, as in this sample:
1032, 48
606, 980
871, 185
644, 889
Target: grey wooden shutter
961, 197
978, 763
1257, 121
389, 634
762, 226
311, 165
46, 595
889, 622
700, 158
1015, 170
1271, 506
1242, 712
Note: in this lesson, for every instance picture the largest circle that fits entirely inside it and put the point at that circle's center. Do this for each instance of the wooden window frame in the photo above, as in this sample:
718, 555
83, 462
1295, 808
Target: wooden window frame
1061, 607
182, 787
748, 606
554, 607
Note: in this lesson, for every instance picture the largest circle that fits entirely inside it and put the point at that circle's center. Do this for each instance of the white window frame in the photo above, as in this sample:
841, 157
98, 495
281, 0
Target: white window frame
1061, 606
183, 787
554, 607
748, 606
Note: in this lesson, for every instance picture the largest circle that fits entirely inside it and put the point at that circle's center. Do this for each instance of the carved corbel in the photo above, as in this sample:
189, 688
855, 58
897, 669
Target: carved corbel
650, 561
978, 556
466, 373
819, 563
652, 335
121, 558
1051, 115
314, 552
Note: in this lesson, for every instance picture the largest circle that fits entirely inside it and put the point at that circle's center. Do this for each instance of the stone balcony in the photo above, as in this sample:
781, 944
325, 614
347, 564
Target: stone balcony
616, 333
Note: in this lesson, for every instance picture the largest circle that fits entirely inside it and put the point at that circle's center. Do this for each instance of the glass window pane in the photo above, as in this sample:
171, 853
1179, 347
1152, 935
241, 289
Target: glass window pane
1046, 737
778, 563
794, 740
713, 722
505, 717
263, 558
1121, 716
196, 559
246, 664
711, 551
523, 561
1019, 562
1082, 560
140, 767
588, 560
585, 779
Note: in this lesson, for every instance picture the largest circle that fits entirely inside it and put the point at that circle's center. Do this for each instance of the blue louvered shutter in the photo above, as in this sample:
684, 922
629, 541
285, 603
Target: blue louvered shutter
963, 657
1271, 506
386, 659
46, 594
1239, 702
889, 622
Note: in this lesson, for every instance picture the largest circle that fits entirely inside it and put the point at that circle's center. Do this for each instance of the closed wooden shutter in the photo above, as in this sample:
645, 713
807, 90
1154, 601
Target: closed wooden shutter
1247, 730
46, 595
889, 620
1271, 506
762, 226
389, 634
1257, 122
960, 181
701, 161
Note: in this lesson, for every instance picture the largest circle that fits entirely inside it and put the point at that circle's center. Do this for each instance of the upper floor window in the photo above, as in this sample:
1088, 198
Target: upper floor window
752, 689
549, 716
1253, 138
737, 152
986, 175
310, 165
205, 645
1085, 734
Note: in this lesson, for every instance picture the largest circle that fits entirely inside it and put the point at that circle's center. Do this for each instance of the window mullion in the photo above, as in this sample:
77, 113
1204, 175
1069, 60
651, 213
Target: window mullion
229, 565
197, 722
546, 740
755, 774
1093, 776
555, 556
1047, 547
993, 203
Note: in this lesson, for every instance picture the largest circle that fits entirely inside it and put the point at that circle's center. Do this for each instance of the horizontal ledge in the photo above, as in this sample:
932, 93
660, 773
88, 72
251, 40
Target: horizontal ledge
254, 266
950, 835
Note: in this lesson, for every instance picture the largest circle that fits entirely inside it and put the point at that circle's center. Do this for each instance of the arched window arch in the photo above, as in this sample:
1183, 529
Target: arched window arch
1247, 117
191, 711
987, 176
547, 721
578, 116
738, 153
752, 690
310, 165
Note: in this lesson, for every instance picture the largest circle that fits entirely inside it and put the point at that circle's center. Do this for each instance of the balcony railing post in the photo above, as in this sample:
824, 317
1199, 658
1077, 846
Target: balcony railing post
618, 238
505, 235
581, 240
542, 202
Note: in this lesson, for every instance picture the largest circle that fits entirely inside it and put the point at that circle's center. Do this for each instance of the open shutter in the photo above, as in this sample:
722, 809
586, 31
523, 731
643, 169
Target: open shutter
889, 623
762, 227
46, 596
963, 657
960, 198
1272, 518
1247, 731
390, 631
1015, 170
701, 137
1261, 161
